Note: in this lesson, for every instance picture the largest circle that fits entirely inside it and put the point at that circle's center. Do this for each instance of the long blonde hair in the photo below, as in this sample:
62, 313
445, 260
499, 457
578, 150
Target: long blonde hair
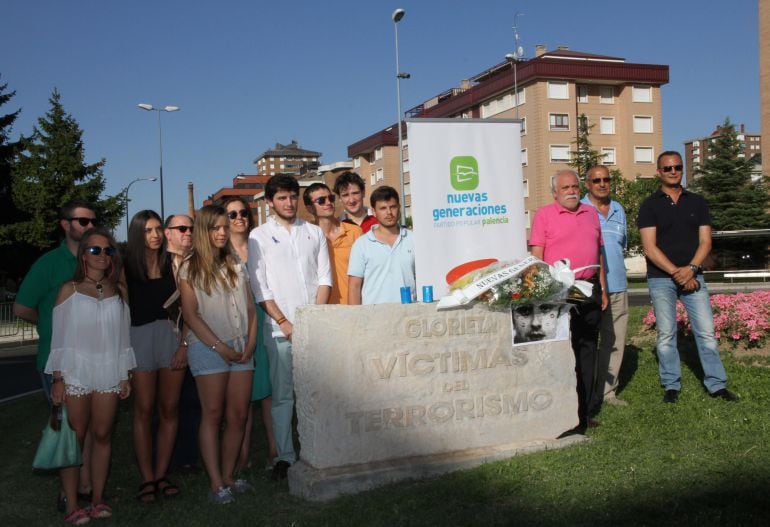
208, 266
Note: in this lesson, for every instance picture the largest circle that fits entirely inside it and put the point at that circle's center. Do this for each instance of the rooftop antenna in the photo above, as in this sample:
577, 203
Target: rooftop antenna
515, 57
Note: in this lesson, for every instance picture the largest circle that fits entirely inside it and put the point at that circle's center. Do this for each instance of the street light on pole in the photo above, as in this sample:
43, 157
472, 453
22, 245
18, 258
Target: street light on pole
127, 189
397, 15
514, 58
151, 108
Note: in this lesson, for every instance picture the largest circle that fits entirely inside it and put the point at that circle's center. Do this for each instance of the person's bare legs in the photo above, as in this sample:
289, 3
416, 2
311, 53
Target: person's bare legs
143, 385
168, 392
78, 412
211, 391
237, 409
103, 408
243, 455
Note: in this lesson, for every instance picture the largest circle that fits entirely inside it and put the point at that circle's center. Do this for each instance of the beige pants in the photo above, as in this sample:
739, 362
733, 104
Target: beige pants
612, 342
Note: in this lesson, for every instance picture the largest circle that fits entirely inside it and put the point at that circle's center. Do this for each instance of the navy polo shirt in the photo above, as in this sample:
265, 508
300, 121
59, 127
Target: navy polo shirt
677, 225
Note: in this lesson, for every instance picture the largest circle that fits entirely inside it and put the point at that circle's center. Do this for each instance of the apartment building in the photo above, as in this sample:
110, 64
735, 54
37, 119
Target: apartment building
696, 151
764, 67
287, 159
621, 100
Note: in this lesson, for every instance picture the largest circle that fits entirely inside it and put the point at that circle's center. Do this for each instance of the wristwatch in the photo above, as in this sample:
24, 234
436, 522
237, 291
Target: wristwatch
695, 268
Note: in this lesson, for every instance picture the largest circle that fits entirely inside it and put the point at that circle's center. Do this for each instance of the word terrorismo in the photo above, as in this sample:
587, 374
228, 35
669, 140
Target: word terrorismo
491, 405
416, 364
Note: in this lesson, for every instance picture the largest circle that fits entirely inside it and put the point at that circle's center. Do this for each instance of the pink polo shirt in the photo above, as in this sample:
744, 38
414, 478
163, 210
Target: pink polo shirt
566, 234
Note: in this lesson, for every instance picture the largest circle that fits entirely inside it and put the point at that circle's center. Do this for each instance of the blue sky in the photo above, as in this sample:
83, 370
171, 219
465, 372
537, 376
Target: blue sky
250, 73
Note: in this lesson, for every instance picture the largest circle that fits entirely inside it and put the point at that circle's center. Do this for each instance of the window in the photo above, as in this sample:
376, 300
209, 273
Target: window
526, 188
522, 98
559, 153
606, 125
406, 166
498, 105
526, 218
523, 157
643, 154
407, 189
606, 95
357, 162
641, 93
642, 124
372, 181
282, 166
378, 154
558, 121
582, 93
608, 155
380, 174
523, 126
558, 90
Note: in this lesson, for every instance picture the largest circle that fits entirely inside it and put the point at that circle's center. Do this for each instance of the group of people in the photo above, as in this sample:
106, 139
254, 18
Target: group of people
211, 298
216, 298
675, 230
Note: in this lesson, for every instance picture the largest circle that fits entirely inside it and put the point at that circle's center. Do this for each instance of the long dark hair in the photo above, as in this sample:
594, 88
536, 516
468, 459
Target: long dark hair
136, 266
113, 273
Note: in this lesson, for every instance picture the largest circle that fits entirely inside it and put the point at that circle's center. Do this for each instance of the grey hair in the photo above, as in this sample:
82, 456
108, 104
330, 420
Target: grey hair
559, 173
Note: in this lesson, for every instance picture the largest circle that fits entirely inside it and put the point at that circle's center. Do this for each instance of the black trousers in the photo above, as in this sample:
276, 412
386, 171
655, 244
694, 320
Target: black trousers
585, 321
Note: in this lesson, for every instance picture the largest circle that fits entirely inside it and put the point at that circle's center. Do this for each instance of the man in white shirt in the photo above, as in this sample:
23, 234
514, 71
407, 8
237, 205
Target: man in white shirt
289, 267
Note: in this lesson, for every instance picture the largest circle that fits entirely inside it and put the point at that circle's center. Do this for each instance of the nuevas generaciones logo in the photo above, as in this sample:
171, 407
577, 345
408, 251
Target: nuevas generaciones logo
464, 173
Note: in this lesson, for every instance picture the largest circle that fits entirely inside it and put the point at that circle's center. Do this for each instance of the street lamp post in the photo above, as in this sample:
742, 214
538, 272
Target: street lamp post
151, 108
127, 189
514, 58
398, 14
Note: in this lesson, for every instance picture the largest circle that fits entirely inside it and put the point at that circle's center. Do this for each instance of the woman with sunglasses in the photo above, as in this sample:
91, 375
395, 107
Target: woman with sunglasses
218, 307
90, 361
241, 224
161, 355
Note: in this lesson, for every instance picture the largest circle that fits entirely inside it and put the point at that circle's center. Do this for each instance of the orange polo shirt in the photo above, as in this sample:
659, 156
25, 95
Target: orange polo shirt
339, 255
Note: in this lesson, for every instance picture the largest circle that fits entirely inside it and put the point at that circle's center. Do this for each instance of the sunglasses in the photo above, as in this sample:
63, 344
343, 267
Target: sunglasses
600, 180
83, 221
96, 250
243, 213
322, 200
672, 168
182, 228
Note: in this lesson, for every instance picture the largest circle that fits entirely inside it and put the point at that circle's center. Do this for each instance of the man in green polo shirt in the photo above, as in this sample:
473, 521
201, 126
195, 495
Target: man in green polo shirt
37, 294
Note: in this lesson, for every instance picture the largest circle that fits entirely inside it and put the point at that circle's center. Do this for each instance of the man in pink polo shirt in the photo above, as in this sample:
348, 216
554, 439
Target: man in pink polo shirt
570, 229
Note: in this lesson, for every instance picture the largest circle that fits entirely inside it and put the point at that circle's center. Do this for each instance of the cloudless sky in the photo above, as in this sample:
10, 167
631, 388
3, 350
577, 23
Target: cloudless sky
250, 73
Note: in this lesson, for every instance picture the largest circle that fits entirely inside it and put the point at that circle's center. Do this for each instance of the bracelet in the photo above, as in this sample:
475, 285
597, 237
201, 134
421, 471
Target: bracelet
280, 320
57, 379
214, 346
183, 343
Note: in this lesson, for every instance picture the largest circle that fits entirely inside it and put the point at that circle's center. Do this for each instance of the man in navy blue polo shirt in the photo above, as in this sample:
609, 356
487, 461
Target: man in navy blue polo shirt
675, 229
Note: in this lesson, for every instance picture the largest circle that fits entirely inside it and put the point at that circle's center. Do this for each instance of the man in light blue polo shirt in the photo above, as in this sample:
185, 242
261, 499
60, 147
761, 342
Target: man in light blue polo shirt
612, 341
382, 260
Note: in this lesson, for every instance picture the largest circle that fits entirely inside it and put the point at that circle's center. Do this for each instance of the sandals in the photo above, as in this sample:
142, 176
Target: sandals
100, 510
147, 491
166, 488
78, 517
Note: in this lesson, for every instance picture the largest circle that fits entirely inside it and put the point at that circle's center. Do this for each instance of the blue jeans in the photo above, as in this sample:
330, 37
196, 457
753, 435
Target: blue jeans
664, 293
282, 381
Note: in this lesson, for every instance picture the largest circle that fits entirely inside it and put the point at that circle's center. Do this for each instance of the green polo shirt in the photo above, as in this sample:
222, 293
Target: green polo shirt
39, 290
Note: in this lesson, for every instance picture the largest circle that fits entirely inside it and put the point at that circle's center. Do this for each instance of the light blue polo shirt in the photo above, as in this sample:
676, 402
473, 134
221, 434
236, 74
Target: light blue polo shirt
385, 269
615, 241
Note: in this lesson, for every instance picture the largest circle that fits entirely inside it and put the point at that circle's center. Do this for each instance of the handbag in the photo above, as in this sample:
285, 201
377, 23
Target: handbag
59, 446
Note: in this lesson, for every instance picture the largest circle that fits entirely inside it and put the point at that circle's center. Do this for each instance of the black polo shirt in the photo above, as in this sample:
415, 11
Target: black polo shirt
677, 225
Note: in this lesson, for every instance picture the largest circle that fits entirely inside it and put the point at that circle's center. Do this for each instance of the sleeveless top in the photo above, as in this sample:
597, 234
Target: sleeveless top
148, 296
90, 343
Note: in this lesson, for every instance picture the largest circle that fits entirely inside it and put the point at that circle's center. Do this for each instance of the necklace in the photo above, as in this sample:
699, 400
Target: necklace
99, 287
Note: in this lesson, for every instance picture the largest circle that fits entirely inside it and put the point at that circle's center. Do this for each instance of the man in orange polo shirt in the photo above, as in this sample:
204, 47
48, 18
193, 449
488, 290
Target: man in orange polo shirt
319, 201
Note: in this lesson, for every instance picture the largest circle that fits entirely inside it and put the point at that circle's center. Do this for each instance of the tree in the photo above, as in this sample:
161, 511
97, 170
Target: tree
736, 202
50, 172
584, 156
8, 151
631, 194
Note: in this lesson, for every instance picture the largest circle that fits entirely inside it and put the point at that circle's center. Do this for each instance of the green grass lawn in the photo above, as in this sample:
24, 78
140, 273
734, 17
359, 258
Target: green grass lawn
700, 462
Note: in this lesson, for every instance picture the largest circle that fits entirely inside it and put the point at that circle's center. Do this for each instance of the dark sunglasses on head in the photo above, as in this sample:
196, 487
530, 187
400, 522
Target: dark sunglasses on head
672, 168
600, 180
182, 228
322, 200
243, 213
83, 221
96, 250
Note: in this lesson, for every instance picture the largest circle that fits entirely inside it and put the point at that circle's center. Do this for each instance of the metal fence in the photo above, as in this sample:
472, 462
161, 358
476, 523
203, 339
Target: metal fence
12, 327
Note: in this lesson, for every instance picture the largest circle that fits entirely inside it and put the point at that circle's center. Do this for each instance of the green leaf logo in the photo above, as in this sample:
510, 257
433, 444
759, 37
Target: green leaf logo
464, 172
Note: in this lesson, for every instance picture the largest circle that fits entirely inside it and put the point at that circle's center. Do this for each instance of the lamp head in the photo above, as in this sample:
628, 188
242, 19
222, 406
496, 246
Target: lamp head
398, 14
145, 106
153, 179
171, 108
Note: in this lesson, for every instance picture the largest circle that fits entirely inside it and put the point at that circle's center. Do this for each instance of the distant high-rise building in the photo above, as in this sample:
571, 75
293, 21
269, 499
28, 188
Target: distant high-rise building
764, 70
287, 159
696, 151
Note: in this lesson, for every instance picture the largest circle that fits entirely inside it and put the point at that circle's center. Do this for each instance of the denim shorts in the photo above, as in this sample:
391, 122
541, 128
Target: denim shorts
205, 361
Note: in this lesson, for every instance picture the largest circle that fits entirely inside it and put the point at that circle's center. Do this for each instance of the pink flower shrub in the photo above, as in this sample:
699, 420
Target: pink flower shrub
739, 317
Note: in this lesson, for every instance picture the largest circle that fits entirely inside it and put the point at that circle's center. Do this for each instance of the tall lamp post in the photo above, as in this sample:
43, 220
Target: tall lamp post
398, 14
514, 58
151, 108
127, 189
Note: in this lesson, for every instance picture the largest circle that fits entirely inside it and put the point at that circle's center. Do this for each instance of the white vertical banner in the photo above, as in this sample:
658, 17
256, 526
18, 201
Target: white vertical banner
467, 195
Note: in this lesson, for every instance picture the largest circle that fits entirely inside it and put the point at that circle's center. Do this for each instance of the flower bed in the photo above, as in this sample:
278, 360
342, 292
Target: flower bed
739, 318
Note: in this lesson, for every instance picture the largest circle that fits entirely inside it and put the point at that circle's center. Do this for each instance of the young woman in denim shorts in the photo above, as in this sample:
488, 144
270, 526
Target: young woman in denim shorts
218, 307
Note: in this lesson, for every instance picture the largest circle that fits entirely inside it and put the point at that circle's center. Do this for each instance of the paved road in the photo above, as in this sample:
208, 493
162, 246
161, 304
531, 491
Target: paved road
18, 376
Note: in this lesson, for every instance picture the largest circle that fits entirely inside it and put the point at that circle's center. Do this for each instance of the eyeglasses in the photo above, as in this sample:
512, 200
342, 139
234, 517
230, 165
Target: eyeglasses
83, 221
672, 168
322, 200
243, 213
600, 180
96, 250
182, 228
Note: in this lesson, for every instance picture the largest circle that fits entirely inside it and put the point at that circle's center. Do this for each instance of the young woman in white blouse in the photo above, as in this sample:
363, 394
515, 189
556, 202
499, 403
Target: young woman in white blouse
218, 307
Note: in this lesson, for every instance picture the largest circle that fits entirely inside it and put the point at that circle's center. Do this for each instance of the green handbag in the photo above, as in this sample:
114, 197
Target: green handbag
57, 448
